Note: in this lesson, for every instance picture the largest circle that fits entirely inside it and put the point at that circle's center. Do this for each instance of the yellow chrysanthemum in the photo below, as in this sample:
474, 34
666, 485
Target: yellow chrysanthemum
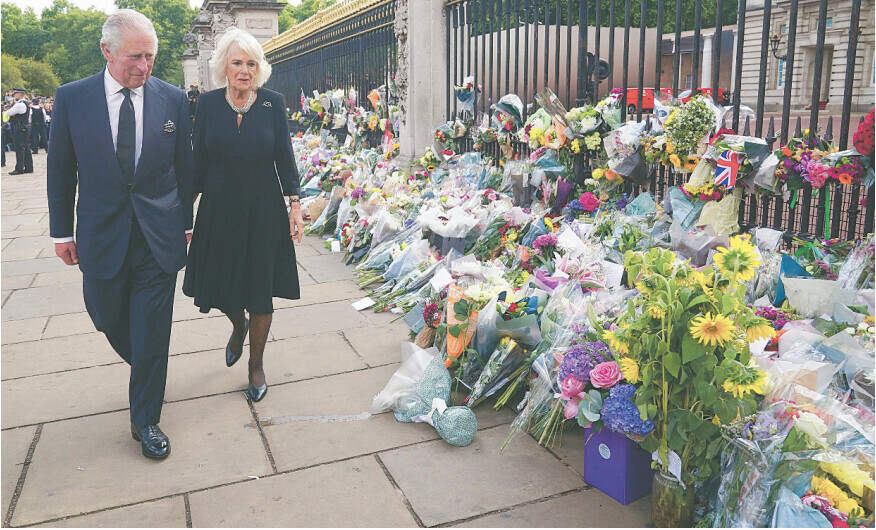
740, 260
840, 500
711, 331
630, 369
758, 329
598, 173
656, 312
670, 147
616, 345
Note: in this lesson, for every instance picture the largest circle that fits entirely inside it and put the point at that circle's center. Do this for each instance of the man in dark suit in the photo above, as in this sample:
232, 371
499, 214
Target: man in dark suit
125, 139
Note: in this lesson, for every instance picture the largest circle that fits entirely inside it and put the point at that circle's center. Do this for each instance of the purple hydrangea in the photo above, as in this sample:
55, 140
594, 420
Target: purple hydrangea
621, 203
545, 240
357, 193
621, 415
764, 427
581, 358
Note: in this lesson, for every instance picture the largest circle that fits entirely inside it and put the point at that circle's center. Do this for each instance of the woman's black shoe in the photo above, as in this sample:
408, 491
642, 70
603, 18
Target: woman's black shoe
230, 356
257, 394
153, 441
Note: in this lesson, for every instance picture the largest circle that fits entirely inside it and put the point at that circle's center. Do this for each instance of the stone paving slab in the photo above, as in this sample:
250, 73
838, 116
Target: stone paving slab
205, 373
579, 509
23, 254
163, 513
570, 449
55, 355
16, 443
43, 301
202, 334
350, 494
25, 330
430, 476
311, 320
326, 267
17, 282
64, 395
68, 324
379, 345
321, 293
210, 442
49, 279
23, 231
304, 421
31, 243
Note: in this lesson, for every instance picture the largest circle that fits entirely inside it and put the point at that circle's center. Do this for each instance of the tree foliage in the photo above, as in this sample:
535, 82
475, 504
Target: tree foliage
292, 15
68, 38
27, 73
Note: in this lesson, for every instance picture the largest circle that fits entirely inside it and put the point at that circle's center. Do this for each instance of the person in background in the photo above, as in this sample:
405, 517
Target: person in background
47, 107
38, 135
19, 120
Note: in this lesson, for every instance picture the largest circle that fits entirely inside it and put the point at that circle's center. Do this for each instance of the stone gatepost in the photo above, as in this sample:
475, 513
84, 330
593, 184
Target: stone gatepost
420, 27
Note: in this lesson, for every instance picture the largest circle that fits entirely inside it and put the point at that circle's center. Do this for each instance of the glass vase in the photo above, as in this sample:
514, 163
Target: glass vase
672, 505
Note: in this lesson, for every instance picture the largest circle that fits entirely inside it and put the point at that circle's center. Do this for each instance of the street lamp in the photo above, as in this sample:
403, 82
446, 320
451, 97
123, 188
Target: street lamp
774, 44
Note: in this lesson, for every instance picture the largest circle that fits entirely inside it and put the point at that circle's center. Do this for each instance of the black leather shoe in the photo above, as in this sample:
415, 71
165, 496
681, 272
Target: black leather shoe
155, 443
230, 356
257, 394
17, 172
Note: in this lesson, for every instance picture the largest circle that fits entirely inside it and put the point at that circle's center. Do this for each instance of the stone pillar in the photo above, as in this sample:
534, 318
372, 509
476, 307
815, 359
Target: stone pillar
190, 68
706, 64
421, 77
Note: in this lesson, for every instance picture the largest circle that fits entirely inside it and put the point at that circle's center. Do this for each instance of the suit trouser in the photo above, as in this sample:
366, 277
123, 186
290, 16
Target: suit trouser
38, 137
134, 310
23, 155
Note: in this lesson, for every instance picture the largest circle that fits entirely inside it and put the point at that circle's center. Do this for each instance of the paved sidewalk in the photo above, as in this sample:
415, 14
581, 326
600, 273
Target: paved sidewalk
68, 458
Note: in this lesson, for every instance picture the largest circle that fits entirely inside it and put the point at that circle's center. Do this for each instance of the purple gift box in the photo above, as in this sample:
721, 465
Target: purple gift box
616, 465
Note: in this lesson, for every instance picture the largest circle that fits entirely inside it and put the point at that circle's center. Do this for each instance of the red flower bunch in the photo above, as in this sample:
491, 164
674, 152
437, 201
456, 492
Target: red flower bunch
863, 138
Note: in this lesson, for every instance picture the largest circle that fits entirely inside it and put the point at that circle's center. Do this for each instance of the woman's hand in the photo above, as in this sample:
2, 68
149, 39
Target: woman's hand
296, 223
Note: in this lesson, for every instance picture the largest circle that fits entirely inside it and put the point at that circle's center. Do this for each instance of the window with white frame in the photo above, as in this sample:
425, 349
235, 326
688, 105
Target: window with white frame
781, 79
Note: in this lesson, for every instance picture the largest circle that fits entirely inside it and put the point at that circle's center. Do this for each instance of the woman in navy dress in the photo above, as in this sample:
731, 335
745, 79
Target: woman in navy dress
241, 253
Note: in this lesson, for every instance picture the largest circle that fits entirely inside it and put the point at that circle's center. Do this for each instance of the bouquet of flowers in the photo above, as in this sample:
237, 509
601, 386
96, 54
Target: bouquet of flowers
688, 126
794, 160
508, 115
467, 94
610, 108
863, 137
583, 120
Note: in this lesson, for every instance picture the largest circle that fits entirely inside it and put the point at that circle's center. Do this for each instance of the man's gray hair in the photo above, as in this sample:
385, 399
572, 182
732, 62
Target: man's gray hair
125, 21
249, 45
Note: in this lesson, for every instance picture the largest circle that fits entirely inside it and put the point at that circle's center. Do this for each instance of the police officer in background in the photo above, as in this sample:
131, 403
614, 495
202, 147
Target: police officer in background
19, 120
38, 135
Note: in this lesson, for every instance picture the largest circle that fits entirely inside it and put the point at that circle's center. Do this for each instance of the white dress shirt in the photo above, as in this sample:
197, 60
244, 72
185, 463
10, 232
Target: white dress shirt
20, 107
114, 99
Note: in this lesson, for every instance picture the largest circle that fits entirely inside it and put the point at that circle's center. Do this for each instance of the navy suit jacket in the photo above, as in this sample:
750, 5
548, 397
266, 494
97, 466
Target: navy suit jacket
83, 155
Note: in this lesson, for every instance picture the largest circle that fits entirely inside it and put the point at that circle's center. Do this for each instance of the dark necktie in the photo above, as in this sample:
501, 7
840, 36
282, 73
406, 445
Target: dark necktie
127, 136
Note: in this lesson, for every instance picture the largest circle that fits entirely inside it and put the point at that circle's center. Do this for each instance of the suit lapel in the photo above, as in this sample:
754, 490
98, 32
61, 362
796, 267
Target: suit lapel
153, 114
101, 124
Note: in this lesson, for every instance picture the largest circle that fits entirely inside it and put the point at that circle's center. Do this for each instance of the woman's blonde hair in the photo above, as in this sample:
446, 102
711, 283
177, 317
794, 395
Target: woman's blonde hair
249, 46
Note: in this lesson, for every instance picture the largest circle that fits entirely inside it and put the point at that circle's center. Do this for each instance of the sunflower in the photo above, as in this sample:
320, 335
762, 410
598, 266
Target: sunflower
630, 369
670, 147
691, 163
656, 311
675, 160
711, 331
430, 168
742, 379
759, 328
615, 343
740, 260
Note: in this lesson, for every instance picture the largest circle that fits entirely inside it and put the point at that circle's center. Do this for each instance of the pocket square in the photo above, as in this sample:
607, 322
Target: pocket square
169, 127
266, 104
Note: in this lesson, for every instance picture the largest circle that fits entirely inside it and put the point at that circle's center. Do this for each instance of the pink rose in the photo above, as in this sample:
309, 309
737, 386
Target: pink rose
571, 409
572, 388
605, 375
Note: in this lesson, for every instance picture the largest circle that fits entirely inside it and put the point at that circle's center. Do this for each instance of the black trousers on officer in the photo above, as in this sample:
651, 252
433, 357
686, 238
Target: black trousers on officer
134, 310
23, 156
39, 137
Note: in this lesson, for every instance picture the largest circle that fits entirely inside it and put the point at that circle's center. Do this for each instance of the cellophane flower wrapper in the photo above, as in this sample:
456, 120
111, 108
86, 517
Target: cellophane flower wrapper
507, 356
723, 215
857, 270
812, 297
624, 141
419, 391
492, 328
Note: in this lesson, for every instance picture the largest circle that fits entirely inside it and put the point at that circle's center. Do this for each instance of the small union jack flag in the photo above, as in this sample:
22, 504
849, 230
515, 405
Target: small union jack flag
728, 168
303, 102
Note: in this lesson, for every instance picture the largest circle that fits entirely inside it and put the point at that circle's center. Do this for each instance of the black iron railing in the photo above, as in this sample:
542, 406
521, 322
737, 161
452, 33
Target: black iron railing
357, 52
490, 39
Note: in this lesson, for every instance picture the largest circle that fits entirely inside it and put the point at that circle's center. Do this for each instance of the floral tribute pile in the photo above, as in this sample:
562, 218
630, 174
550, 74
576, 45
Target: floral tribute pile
742, 361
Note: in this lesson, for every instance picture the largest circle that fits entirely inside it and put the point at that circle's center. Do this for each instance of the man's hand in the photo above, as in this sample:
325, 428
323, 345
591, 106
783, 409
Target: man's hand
67, 252
296, 223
